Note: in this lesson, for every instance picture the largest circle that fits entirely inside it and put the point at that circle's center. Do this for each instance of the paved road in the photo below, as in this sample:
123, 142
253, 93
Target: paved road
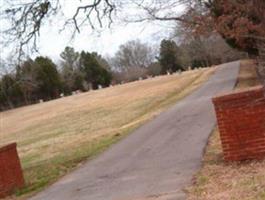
155, 162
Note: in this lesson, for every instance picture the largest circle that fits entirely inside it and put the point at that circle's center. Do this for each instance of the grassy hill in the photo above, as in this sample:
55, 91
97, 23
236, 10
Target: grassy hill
55, 136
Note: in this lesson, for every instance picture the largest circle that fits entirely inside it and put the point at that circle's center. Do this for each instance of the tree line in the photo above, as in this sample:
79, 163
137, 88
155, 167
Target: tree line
239, 22
41, 79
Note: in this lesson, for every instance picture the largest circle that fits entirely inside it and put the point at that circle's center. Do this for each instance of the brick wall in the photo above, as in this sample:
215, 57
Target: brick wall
11, 176
241, 122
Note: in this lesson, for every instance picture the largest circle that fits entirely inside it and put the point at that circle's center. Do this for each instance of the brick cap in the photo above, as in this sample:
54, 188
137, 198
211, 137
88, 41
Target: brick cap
7, 147
239, 94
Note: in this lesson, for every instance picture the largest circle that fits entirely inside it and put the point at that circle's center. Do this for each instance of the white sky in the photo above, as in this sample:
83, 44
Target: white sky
52, 42
106, 42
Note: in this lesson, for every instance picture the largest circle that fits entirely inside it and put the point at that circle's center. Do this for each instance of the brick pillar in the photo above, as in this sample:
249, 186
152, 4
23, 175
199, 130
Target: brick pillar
241, 122
11, 176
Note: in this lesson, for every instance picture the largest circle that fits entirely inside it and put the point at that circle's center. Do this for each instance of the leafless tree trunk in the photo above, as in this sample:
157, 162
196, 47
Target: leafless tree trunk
261, 63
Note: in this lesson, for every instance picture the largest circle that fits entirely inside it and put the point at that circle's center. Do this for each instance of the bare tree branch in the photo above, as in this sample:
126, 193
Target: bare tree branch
26, 18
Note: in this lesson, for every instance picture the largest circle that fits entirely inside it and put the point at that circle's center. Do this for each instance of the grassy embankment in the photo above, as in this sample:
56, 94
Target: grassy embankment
218, 180
54, 137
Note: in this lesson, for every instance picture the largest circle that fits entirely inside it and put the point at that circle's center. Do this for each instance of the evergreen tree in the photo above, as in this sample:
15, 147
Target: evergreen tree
26, 76
168, 56
95, 74
71, 77
48, 78
11, 93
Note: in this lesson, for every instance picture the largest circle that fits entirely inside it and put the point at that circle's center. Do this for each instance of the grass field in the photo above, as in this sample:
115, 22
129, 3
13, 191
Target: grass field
218, 180
56, 136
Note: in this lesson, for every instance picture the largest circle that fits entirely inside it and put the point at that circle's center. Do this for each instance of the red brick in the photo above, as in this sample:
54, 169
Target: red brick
11, 177
241, 121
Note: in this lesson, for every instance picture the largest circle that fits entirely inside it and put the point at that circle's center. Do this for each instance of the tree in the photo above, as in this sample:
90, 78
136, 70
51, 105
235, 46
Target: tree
31, 81
238, 22
48, 78
10, 92
26, 18
26, 77
202, 51
71, 77
102, 61
154, 69
133, 54
80, 70
70, 57
168, 57
40, 79
241, 23
132, 60
95, 74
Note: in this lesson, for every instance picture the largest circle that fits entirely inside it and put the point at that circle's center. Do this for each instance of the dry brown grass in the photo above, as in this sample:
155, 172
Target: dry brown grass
55, 136
218, 180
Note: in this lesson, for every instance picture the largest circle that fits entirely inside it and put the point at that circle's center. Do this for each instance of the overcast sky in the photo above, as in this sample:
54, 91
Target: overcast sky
105, 41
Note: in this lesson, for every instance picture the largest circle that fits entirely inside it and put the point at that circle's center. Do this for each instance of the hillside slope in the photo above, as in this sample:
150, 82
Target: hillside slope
53, 137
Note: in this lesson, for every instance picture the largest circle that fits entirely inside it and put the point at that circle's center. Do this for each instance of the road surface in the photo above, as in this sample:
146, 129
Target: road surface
158, 160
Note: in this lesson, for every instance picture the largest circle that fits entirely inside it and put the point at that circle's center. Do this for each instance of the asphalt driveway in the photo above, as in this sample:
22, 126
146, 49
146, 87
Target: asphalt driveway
156, 161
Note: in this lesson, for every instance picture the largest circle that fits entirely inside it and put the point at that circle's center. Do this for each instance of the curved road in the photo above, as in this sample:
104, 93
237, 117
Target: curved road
156, 161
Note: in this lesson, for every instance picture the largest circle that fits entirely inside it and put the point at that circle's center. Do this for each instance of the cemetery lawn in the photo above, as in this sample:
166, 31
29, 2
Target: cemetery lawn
218, 180
55, 137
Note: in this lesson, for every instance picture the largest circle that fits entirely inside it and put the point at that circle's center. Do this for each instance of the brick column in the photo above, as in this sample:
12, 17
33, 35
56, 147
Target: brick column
241, 122
11, 176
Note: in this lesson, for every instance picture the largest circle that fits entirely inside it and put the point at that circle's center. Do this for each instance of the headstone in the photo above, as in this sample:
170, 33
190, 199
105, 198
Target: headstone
99, 87
149, 76
62, 95
86, 86
90, 86
41, 100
